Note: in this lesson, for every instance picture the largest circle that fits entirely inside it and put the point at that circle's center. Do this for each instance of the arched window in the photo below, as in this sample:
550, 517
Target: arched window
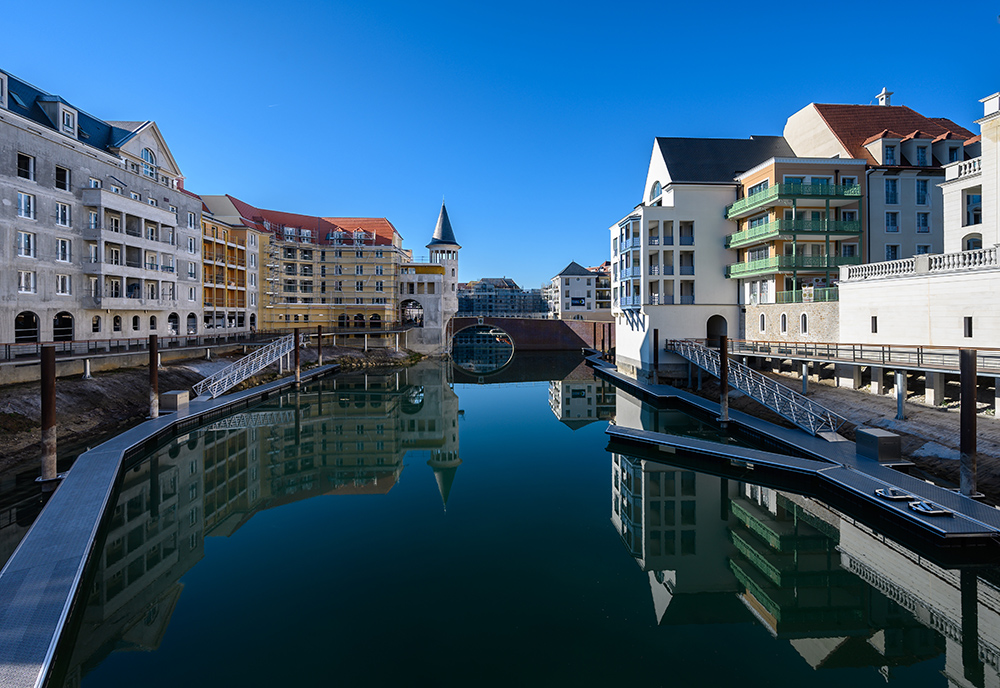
152, 323
342, 320
62, 327
804, 324
784, 324
359, 320
296, 317
173, 324
375, 322
96, 324
116, 324
25, 328
762, 323
972, 242
148, 163
135, 323
655, 191
192, 323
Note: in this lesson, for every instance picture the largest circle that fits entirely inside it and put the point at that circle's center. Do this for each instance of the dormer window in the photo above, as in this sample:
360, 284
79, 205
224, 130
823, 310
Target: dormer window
148, 163
890, 155
655, 191
921, 156
953, 154
68, 122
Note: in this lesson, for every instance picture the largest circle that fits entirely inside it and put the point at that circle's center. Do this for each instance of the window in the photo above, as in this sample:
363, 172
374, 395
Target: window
891, 191
952, 155
26, 245
921, 156
892, 251
359, 254
890, 155
26, 282
923, 249
152, 202
25, 205
968, 326
63, 250
784, 324
62, 214
359, 286
116, 324
757, 188
62, 285
25, 166
892, 222
923, 223
378, 269
849, 181
763, 322
114, 223
921, 192
338, 286
192, 271
116, 189
804, 324
148, 163
96, 324
874, 324
379, 286
379, 253
192, 220
192, 247
135, 323
134, 196
68, 122
359, 269
190, 293
92, 221
338, 270
62, 178
94, 183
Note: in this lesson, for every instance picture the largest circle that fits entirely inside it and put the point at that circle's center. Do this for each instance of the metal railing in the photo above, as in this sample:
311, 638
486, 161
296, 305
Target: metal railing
910, 357
792, 191
819, 294
785, 263
249, 365
772, 229
790, 405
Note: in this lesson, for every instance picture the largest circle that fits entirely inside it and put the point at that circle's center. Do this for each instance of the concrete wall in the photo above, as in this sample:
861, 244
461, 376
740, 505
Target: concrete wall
808, 135
822, 322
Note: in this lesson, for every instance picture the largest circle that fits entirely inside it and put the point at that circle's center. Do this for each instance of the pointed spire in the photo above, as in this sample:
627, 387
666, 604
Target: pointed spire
443, 233
444, 465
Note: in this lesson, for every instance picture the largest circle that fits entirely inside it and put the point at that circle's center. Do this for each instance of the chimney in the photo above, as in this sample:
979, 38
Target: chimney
884, 97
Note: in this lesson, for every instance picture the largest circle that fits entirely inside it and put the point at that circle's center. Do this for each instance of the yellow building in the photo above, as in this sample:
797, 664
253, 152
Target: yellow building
230, 260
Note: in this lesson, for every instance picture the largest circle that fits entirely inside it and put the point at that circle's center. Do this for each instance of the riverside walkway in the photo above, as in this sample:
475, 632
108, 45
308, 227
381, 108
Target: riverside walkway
827, 466
40, 584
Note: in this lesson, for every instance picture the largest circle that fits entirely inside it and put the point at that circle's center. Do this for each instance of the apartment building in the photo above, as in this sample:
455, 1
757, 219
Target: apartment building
573, 294
103, 240
499, 296
230, 270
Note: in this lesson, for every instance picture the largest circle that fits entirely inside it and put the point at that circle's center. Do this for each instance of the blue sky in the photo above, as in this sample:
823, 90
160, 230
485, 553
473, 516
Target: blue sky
534, 120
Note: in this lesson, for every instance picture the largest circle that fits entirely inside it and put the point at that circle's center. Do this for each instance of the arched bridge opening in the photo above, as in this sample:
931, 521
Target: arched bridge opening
481, 349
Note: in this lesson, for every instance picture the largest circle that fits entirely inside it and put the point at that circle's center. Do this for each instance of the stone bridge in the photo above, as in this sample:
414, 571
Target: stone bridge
533, 334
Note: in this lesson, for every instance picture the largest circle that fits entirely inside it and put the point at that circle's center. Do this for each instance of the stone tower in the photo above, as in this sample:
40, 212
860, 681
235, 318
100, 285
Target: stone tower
444, 251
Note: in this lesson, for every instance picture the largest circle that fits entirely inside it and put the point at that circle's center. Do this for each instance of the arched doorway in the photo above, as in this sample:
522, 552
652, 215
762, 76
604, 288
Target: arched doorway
972, 242
359, 324
62, 327
192, 323
716, 327
343, 320
173, 324
26, 328
411, 313
253, 322
375, 322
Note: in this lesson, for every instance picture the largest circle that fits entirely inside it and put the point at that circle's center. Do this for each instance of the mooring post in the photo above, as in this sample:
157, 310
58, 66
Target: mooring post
298, 370
49, 472
967, 415
900, 394
656, 356
86, 370
154, 380
724, 379
319, 343
805, 377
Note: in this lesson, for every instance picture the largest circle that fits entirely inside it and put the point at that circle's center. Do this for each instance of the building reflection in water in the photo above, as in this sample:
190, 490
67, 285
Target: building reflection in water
347, 435
580, 399
481, 349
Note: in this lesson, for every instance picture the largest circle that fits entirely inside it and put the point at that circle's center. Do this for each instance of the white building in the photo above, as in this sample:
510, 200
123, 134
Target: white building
669, 255
573, 294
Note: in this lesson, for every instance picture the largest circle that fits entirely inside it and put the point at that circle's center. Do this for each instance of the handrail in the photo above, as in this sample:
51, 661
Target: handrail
253, 363
803, 412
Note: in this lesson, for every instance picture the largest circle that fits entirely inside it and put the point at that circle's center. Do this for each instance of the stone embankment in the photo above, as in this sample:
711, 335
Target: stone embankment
90, 411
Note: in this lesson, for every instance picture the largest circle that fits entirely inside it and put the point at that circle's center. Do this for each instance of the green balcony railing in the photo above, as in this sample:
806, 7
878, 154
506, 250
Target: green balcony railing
778, 191
785, 263
778, 227
819, 294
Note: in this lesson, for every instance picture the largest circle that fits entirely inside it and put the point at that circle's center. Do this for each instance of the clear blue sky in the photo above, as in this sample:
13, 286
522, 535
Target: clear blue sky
534, 120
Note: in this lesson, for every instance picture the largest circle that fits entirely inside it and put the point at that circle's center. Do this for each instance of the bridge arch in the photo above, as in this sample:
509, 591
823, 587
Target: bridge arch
482, 348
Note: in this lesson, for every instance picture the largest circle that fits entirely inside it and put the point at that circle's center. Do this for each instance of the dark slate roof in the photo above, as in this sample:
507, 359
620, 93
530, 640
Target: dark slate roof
718, 160
575, 268
443, 233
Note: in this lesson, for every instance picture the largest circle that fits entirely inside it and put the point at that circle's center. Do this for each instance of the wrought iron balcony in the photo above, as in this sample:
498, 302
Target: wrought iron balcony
778, 192
788, 263
772, 230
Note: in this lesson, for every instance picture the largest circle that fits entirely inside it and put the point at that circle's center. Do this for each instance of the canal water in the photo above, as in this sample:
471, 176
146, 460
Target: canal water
413, 529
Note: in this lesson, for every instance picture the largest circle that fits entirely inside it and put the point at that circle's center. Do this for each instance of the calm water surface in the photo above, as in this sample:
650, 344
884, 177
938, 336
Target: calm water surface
408, 530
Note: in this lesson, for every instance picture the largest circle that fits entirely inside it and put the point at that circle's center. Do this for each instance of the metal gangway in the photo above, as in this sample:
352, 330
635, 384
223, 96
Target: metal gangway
798, 409
249, 365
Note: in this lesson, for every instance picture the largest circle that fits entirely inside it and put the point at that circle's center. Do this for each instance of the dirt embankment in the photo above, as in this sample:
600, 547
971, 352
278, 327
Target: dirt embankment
89, 412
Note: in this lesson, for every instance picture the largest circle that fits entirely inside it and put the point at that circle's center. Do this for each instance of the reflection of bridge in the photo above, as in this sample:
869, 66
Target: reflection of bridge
531, 334
525, 366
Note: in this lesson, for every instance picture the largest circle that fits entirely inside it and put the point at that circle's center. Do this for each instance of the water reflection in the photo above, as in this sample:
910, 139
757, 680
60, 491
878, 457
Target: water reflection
839, 593
482, 349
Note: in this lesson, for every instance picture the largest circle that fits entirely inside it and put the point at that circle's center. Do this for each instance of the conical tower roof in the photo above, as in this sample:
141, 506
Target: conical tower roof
443, 233
444, 468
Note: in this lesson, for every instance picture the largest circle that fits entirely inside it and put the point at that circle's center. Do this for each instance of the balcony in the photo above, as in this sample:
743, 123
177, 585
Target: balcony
687, 240
687, 270
104, 198
687, 299
774, 195
773, 230
789, 263
654, 269
818, 295
654, 241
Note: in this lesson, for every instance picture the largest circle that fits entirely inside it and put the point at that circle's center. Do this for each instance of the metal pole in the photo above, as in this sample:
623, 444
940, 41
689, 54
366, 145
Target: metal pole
86, 370
967, 433
298, 370
724, 379
154, 380
656, 355
805, 377
319, 343
49, 413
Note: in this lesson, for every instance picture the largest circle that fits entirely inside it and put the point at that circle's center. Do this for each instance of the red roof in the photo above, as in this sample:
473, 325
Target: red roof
855, 124
380, 227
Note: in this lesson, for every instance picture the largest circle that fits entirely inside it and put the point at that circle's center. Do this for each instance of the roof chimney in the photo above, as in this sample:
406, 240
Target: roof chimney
884, 97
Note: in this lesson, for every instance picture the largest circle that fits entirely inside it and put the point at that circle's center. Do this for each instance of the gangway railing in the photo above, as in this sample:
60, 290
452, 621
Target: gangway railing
249, 365
800, 410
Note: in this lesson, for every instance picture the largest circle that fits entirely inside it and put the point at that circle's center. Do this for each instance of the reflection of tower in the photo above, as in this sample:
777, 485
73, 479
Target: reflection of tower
444, 464
444, 251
